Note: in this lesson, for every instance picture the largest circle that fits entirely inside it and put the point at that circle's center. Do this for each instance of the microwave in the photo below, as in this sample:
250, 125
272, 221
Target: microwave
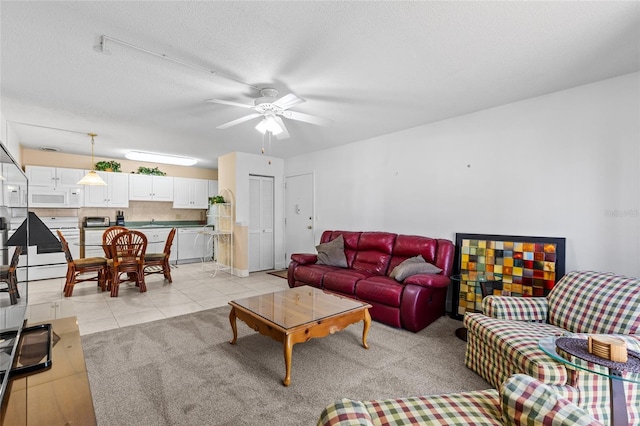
60, 197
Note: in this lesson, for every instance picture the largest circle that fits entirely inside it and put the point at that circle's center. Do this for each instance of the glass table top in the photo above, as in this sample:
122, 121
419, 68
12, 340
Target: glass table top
548, 346
297, 306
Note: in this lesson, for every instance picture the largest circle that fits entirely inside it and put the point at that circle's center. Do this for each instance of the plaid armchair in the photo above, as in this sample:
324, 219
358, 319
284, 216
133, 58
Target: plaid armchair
503, 340
522, 400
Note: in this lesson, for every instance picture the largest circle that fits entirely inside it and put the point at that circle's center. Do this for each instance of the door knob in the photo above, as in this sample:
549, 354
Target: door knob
309, 227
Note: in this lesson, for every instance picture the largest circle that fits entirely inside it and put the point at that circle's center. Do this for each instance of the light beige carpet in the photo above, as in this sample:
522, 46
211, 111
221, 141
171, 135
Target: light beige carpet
183, 371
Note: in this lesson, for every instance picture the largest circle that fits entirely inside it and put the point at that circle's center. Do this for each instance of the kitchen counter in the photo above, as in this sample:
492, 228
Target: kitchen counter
158, 224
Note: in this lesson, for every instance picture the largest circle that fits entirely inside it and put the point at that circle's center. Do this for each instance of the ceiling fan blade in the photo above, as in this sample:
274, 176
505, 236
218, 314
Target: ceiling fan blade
222, 101
285, 133
239, 120
307, 118
288, 101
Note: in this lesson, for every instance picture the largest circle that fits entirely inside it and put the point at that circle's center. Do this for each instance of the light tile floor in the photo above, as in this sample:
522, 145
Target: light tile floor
193, 289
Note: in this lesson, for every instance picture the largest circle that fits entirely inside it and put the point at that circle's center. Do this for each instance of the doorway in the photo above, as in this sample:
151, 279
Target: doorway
261, 220
299, 214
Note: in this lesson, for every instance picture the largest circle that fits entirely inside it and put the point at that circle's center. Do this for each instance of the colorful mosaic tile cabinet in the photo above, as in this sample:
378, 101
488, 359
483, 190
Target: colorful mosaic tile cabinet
521, 267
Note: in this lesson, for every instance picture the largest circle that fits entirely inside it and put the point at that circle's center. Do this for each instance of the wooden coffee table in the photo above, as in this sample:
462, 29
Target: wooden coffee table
298, 315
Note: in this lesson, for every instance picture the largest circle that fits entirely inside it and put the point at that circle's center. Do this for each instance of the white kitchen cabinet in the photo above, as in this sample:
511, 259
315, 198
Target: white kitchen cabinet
156, 240
53, 176
114, 194
190, 193
92, 243
150, 188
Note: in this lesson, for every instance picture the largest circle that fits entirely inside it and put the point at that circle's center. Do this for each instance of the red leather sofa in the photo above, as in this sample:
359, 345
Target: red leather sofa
371, 256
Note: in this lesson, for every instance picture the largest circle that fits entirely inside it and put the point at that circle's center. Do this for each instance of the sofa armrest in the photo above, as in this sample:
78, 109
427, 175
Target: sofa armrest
304, 258
526, 401
428, 280
516, 308
345, 412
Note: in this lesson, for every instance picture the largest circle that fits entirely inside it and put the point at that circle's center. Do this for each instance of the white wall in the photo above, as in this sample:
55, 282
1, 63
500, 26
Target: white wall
560, 165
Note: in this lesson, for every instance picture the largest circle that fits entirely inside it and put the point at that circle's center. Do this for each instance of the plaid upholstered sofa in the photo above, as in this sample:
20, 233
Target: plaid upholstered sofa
522, 400
503, 340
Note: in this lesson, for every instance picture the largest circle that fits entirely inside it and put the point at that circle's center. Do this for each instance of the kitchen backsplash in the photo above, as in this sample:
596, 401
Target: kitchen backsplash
138, 211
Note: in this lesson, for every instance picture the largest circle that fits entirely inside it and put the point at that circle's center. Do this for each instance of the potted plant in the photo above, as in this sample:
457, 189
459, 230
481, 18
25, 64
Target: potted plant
149, 171
213, 201
108, 166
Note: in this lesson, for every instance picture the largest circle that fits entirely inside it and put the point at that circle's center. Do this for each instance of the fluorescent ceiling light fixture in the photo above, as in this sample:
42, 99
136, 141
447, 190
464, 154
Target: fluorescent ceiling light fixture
160, 158
269, 124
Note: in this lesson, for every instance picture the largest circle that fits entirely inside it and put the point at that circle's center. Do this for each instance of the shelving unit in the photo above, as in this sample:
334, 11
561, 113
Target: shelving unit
222, 235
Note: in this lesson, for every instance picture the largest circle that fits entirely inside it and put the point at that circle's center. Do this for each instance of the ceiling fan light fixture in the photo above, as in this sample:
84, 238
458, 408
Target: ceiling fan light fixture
151, 157
269, 124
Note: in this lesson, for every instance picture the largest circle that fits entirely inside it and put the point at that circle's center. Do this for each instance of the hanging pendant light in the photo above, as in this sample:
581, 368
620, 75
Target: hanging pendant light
92, 178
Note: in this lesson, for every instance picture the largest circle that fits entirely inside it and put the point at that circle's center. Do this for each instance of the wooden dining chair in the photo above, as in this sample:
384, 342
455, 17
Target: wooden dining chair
107, 237
128, 249
158, 263
8, 276
80, 267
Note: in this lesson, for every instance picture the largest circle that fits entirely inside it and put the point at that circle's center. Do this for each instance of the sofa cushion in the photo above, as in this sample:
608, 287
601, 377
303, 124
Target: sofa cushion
526, 401
465, 408
382, 290
407, 246
312, 274
596, 302
304, 258
344, 280
508, 347
516, 308
413, 266
374, 252
332, 253
350, 242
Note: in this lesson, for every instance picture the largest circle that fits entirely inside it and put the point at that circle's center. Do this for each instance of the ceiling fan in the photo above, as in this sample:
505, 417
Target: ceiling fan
271, 109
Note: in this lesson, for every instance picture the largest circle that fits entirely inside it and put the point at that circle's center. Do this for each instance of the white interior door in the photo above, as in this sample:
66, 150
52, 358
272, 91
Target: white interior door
299, 214
261, 240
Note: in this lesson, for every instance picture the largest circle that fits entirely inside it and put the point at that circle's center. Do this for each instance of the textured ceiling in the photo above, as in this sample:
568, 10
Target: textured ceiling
371, 67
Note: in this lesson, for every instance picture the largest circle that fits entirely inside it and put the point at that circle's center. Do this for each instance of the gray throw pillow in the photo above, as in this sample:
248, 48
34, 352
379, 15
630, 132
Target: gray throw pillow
332, 253
413, 266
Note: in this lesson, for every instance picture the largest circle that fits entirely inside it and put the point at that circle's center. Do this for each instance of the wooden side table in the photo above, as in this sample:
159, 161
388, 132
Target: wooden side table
59, 395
